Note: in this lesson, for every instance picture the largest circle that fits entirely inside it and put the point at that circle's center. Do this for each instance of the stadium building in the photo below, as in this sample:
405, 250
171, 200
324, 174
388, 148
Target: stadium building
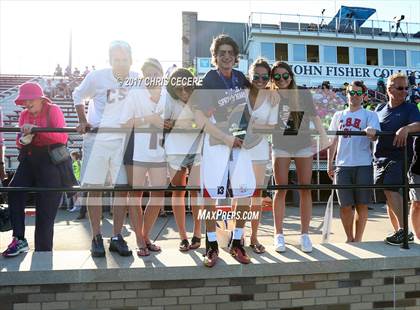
338, 49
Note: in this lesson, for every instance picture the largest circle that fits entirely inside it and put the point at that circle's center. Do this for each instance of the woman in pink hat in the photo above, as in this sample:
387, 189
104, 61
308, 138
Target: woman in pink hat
36, 169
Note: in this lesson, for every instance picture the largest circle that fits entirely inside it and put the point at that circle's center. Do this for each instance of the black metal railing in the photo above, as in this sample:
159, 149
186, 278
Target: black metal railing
405, 186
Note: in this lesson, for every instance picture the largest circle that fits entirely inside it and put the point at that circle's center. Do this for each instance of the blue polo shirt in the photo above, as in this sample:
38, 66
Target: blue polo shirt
219, 95
392, 119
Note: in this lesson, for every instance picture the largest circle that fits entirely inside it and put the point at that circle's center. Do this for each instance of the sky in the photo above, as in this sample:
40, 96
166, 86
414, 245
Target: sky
34, 35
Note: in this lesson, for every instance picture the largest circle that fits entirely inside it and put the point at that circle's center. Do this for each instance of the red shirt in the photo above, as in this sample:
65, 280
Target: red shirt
56, 121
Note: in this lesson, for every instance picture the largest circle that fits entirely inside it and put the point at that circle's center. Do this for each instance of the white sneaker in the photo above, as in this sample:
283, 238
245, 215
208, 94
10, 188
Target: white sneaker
279, 243
75, 209
305, 243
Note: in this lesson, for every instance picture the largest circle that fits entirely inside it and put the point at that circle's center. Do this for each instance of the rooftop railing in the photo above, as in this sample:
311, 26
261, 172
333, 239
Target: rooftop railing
259, 21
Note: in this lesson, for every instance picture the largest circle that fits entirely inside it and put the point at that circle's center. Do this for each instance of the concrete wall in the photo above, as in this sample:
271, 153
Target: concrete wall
344, 291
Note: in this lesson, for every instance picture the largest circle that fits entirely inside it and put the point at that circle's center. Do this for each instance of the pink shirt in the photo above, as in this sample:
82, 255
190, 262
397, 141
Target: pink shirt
56, 121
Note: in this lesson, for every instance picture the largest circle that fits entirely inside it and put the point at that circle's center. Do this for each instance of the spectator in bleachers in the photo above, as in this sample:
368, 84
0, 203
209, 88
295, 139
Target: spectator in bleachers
76, 72
62, 89
380, 85
49, 89
401, 117
86, 72
37, 169
58, 71
67, 72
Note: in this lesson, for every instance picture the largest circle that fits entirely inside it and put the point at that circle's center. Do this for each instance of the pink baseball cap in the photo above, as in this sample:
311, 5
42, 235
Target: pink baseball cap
28, 91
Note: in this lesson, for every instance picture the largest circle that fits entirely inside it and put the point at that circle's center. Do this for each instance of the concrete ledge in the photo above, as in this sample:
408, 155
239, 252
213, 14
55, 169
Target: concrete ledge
79, 267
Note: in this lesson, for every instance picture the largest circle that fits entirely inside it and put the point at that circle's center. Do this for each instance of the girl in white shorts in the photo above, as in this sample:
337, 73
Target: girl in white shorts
296, 111
144, 109
264, 116
183, 153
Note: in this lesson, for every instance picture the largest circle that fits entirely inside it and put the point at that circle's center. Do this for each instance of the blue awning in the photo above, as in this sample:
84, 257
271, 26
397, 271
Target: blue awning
346, 16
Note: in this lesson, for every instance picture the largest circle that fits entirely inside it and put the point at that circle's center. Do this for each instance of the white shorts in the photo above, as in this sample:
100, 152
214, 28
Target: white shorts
414, 192
305, 152
217, 167
177, 162
260, 152
103, 161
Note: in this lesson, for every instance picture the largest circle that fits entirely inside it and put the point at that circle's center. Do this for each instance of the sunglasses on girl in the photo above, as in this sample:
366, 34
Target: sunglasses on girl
278, 76
264, 77
354, 92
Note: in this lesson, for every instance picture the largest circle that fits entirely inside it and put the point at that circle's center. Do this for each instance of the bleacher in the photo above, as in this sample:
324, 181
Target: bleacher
11, 115
9, 83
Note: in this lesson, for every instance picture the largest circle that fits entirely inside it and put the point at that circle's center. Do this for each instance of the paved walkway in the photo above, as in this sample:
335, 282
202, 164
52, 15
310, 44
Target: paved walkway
71, 234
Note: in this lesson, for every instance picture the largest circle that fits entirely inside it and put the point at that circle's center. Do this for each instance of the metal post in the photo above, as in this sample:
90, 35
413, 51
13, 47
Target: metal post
405, 199
389, 30
317, 168
299, 23
373, 30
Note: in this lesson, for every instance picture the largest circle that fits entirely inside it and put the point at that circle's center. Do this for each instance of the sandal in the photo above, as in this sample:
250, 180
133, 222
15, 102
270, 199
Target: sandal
153, 247
143, 252
195, 243
184, 246
257, 248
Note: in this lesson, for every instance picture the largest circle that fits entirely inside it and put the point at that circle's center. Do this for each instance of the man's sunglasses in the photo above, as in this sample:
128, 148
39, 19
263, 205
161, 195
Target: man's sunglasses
278, 76
402, 88
264, 77
354, 92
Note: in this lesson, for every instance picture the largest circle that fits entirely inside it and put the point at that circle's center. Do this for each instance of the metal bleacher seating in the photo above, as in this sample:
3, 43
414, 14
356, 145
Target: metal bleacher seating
8, 91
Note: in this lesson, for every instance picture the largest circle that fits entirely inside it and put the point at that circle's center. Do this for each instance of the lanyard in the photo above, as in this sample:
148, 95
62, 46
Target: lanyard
234, 81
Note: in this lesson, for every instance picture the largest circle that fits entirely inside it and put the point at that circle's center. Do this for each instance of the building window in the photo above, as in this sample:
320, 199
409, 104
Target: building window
312, 53
372, 56
359, 56
388, 57
396, 58
282, 53
415, 59
299, 52
330, 54
267, 51
343, 55
400, 58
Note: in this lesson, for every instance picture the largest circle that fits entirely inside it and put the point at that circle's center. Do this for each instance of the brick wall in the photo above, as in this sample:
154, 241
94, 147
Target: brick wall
333, 291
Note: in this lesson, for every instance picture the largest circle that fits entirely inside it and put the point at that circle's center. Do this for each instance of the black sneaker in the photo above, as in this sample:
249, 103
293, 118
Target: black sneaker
97, 249
119, 245
410, 237
398, 238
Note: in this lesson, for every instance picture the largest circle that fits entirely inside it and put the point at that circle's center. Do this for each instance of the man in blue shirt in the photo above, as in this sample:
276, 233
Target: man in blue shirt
403, 118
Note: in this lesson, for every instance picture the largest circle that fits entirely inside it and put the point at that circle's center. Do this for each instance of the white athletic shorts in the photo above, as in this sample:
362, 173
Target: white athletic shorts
218, 166
102, 162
